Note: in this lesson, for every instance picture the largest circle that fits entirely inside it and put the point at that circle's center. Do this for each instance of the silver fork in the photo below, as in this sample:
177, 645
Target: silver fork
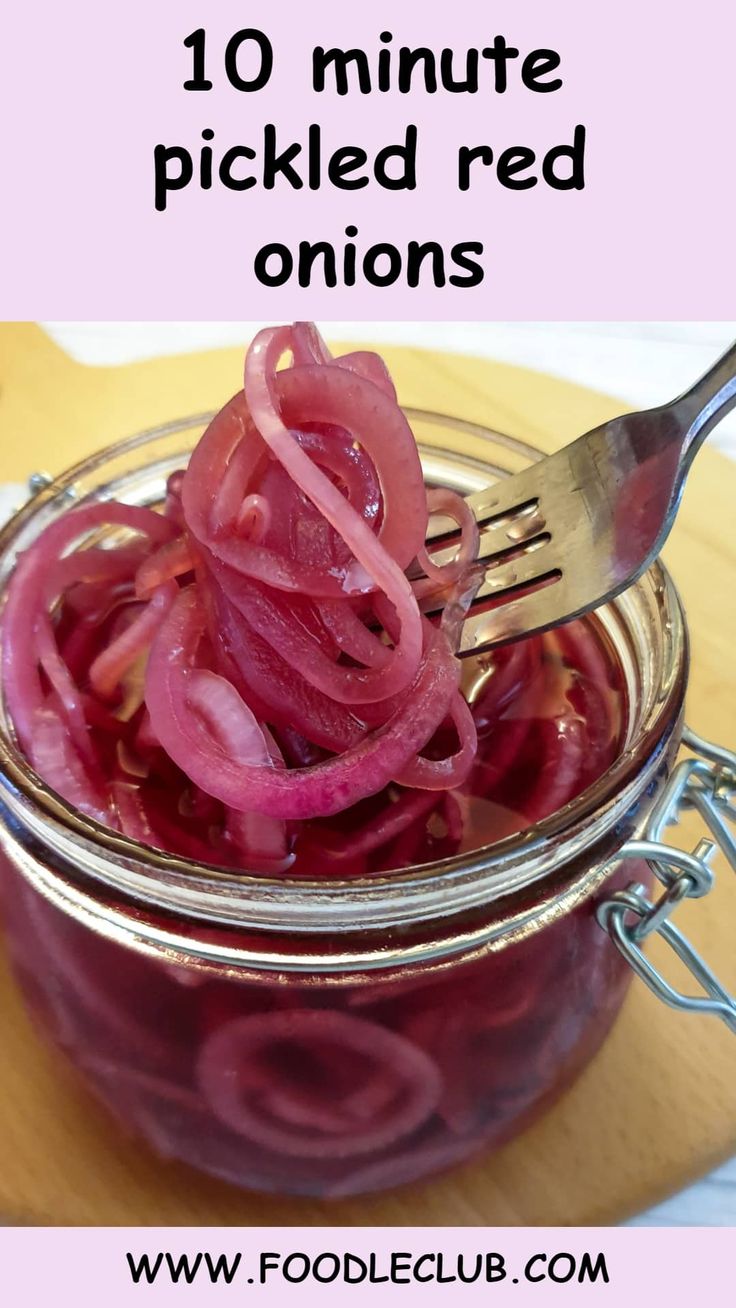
573, 530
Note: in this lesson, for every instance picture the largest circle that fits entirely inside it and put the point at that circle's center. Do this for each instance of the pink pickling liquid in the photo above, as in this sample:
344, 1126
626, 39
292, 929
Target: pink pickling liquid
296, 1085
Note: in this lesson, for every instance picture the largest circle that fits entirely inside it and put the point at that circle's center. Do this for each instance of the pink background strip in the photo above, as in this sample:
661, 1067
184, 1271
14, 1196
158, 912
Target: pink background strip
90, 88
87, 1267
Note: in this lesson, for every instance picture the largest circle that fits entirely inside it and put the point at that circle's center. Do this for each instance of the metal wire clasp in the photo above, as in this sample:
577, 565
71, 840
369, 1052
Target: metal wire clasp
706, 782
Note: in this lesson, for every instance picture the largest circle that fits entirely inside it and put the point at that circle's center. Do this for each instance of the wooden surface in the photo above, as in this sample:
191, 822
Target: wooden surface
656, 1108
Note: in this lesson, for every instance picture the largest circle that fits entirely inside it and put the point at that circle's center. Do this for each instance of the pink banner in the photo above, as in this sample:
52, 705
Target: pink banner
513, 161
429, 1266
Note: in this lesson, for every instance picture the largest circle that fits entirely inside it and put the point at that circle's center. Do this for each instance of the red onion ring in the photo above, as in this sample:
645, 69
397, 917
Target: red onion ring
237, 1071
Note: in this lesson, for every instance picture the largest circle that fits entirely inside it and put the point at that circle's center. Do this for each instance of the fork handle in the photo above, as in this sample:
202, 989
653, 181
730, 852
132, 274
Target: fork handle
699, 409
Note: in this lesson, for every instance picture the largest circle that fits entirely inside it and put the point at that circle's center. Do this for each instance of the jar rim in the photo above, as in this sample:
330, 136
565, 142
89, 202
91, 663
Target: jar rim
421, 892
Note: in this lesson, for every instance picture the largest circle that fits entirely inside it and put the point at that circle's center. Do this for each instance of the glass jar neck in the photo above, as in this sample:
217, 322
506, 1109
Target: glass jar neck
88, 866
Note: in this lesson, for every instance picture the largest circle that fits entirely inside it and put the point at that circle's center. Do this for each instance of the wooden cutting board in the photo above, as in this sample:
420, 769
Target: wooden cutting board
656, 1109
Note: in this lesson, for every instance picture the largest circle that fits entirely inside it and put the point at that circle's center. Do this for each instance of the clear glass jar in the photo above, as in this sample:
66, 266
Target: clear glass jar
334, 1037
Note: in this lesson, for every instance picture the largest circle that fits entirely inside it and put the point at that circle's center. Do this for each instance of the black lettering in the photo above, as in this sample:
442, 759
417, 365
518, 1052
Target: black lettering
406, 180
384, 63
590, 1271
222, 1267
196, 42
473, 273
512, 162
345, 161
416, 255
400, 1268
232, 53
314, 157
575, 180
143, 1267
466, 156
226, 168
495, 1267
297, 1277
536, 65
535, 1258
205, 160
309, 253
447, 73
372, 257
349, 255
468, 1277
350, 1258
568, 1271
374, 1278
163, 155
499, 53
442, 1279
331, 1258
268, 1262
275, 250
321, 60
408, 60
275, 164
423, 1258
183, 1267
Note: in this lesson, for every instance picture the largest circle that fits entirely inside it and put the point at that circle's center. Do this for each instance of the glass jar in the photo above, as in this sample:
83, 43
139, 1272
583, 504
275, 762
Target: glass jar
337, 1037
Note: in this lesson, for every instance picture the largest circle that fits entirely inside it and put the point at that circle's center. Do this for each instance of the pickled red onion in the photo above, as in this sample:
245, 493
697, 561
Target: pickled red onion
315, 791
270, 596
394, 1095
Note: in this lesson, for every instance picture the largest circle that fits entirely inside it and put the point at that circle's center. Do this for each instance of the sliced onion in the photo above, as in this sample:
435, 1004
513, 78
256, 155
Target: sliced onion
270, 597
300, 792
392, 1097
111, 665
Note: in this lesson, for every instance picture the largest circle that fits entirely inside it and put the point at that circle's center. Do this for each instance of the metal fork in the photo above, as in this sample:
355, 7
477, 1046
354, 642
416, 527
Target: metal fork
573, 530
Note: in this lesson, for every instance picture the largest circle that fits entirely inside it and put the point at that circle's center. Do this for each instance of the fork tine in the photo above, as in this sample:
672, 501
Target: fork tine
535, 611
535, 565
509, 498
499, 539
525, 535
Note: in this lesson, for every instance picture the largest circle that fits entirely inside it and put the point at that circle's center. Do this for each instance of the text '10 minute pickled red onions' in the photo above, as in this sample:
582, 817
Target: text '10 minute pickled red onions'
249, 678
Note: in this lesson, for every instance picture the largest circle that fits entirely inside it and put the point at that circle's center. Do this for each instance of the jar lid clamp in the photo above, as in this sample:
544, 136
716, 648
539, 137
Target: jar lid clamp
707, 783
